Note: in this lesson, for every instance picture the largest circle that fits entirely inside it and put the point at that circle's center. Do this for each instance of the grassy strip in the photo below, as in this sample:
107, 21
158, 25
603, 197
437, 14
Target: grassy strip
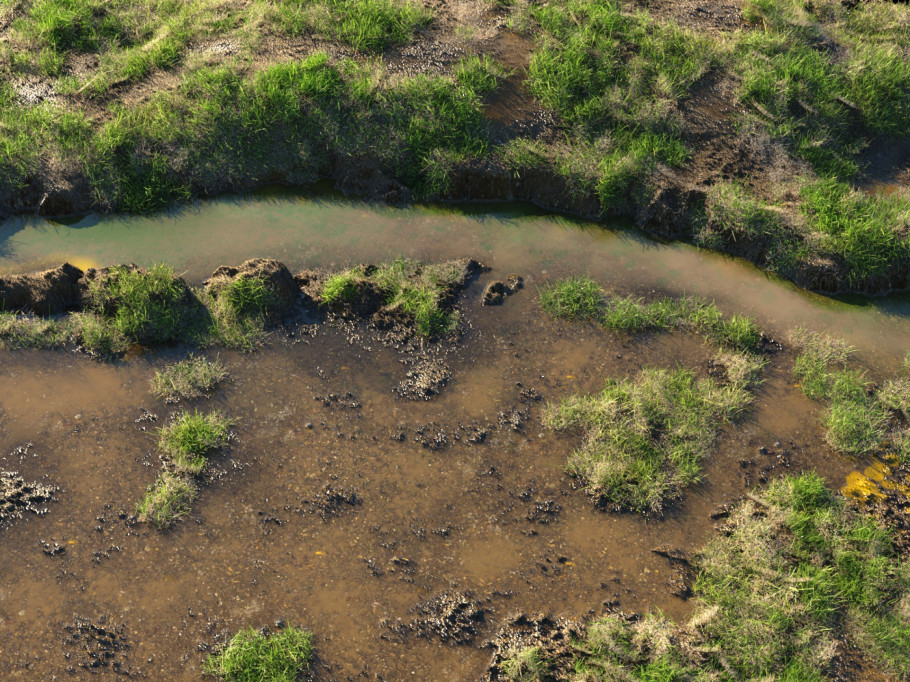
406, 287
186, 443
252, 656
644, 438
581, 298
859, 420
794, 580
222, 129
188, 379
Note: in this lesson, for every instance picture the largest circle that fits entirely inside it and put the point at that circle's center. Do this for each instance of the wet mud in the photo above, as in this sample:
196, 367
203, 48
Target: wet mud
405, 533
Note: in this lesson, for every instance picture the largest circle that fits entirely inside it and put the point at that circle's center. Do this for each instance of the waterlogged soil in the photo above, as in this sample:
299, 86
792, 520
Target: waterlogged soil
402, 532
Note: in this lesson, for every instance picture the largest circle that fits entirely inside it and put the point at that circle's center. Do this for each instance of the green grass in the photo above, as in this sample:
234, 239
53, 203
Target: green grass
370, 25
191, 438
644, 438
18, 330
864, 233
581, 298
341, 288
795, 578
821, 70
188, 379
524, 665
419, 292
572, 298
738, 222
167, 501
616, 76
252, 656
147, 306
240, 312
859, 420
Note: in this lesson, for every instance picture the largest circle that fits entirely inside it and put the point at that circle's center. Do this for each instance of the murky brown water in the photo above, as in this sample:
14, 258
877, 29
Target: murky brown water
253, 551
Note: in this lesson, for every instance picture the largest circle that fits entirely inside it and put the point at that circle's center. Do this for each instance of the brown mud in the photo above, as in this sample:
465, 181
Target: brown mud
404, 533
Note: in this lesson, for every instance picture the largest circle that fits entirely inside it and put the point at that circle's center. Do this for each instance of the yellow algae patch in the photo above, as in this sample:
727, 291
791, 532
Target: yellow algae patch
877, 471
82, 262
862, 488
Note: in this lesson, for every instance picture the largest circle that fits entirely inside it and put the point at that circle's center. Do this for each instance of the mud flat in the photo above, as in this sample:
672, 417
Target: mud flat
403, 532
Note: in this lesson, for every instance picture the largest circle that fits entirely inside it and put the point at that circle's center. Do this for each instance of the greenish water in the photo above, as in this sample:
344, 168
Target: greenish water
313, 232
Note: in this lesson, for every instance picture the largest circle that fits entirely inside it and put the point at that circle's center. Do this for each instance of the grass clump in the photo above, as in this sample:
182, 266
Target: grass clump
859, 420
240, 312
795, 580
644, 438
18, 330
191, 378
524, 665
168, 500
252, 656
370, 25
191, 437
573, 298
406, 287
146, 306
342, 287
581, 298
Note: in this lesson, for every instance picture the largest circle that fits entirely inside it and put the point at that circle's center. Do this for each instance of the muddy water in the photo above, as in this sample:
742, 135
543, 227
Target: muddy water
464, 517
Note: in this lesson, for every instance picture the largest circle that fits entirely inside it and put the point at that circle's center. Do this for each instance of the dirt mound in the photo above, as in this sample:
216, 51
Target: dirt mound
455, 618
426, 379
277, 278
552, 637
45, 293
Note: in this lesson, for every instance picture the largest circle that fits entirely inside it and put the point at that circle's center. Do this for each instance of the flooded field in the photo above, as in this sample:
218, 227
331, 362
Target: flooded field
344, 508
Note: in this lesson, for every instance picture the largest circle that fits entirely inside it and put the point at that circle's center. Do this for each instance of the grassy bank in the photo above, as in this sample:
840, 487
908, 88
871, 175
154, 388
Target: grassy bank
134, 106
125, 305
793, 581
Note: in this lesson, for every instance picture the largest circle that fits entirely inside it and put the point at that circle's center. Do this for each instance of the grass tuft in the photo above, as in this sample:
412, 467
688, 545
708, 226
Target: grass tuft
167, 501
253, 656
573, 298
152, 306
191, 437
188, 379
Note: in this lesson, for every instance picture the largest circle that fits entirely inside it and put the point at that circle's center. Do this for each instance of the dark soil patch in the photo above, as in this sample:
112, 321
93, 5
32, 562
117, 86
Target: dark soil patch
95, 646
44, 293
18, 496
553, 637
